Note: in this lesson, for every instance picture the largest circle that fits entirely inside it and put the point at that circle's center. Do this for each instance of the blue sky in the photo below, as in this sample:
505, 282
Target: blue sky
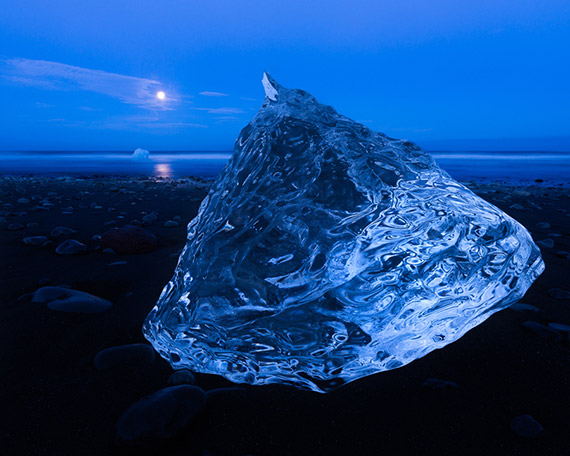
446, 74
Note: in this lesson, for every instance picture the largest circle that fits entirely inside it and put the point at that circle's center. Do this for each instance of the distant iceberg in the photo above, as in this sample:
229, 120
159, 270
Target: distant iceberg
140, 155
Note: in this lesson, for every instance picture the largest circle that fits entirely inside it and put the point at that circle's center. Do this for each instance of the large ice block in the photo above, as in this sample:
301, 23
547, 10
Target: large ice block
326, 252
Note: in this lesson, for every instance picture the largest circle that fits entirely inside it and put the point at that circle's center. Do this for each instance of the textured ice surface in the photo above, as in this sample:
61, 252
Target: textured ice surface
326, 252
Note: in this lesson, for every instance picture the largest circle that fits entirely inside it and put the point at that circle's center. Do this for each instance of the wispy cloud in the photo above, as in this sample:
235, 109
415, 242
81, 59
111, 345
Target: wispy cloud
213, 94
59, 76
222, 110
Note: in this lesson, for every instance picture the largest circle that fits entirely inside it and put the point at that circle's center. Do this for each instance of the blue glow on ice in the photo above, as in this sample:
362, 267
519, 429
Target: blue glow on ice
326, 252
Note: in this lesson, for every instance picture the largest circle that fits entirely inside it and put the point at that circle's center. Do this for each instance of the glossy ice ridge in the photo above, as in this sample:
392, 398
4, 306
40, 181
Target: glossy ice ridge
326, 252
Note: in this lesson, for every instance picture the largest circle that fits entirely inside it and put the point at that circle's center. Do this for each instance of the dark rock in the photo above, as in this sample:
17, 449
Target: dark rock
15, 227
546, 243
71, 247
133, 354
60, 231
67, 300
182, 377
542, 331
557, 293
129, 239
559, 327
526, 426
543, 225
34, 240
520, 307
439, 385
161, 414
171, 224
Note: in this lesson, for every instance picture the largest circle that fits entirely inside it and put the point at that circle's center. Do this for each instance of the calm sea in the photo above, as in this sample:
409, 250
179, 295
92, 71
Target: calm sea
508, 166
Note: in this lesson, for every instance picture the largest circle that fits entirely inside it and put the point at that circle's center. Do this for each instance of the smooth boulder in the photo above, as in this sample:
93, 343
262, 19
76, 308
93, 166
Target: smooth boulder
161, 414
68, 300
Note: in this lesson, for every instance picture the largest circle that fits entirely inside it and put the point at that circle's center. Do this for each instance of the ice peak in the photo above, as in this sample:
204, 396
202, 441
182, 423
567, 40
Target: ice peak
270, 86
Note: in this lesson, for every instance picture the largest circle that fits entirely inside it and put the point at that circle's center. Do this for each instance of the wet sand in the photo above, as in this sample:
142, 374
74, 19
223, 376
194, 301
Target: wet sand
55, 402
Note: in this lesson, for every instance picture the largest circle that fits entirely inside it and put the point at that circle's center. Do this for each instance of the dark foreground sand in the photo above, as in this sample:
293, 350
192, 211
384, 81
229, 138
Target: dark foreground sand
55, 402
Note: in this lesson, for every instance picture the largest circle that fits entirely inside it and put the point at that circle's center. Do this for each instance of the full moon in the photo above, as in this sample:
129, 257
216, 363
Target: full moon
160, 95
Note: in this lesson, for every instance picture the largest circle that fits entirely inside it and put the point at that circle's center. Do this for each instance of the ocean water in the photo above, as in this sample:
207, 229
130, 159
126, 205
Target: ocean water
553, 167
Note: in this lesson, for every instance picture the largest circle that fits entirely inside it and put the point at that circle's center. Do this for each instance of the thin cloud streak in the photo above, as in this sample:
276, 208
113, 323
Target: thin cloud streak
221, 110
213, 94
59, 76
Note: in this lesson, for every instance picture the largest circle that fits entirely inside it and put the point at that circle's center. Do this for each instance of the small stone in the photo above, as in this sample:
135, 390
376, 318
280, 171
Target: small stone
110, 223
71, 247
546, 243
161, 414
96, 237
60, 231
129, 239
436, 384
517, 206
559, 327
44, 281
543, 225
15, 227
67, 300
149, 219
32, 225
171, 224
182, 377
520, 307
34, 240
117, 263
177, 218
562, 254
557, 293
526, 426
132, 354
109, 251
542, 331
23, 201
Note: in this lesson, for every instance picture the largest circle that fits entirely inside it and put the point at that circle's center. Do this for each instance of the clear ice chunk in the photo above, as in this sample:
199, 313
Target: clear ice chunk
326, 252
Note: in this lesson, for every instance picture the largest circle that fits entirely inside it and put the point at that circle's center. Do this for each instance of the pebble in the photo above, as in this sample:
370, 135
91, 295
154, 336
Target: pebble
439, 385
60, 231
15, 227
559, 327
67, 300
517, 206
44, 281
71, 247
543, 225
32, 225
221, 392
182, 377
526, 426
161, 414
557, 293
117, 263
171, 224
546, 243
109, 251
542, 331
23, 201
149, 219
34, 240
563, 254
124, 355
129, 239
520, 306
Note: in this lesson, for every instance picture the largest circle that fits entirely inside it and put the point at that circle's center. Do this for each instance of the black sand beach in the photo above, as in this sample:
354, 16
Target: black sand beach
55, 402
